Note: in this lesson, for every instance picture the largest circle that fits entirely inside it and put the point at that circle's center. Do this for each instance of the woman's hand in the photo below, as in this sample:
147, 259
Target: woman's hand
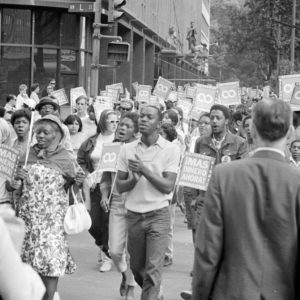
79, 177
16, 184
22, 174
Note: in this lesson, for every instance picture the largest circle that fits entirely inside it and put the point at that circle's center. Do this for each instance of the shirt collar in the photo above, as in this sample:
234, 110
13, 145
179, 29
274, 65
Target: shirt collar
269, 149
160, 141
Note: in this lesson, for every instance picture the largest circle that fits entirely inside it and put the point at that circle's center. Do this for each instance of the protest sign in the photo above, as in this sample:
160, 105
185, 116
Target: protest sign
143, 93
205, 97
286, 86
118, 86
186, 106
196, 170
173, 96
135, 86
190, 92
109, 157
295, 100
61, 96
229, 93
9, 158
74, 94
113, 93
101, 103
162, 87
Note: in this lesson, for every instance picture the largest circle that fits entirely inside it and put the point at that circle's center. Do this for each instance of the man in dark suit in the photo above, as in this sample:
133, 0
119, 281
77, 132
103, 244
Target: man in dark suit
247, 239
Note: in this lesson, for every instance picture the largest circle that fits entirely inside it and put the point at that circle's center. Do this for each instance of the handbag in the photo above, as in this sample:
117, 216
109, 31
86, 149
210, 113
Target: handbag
77, 218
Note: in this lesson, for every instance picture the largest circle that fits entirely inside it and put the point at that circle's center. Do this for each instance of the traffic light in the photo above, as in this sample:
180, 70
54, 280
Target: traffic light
114, 10
118, 51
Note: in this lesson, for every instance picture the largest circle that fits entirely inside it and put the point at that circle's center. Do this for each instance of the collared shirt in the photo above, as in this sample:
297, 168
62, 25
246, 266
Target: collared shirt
269, 149
160, 157
294, 163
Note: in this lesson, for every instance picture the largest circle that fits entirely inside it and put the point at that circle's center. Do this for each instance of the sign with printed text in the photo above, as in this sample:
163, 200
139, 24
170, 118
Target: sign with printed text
9, 158
162, 87
173, 96
295, 101
286, 86
205, 97
119, 86
229, 93
143, 93
114, 93
61, 96
109, 157
190, 92
74, 94
196, 170
101, 103
186, 106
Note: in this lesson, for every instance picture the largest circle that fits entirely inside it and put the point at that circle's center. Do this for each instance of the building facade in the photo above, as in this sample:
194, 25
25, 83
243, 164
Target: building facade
41, 40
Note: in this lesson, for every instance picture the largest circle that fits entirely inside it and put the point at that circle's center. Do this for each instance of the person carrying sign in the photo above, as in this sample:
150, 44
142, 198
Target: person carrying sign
147, 171
250, 221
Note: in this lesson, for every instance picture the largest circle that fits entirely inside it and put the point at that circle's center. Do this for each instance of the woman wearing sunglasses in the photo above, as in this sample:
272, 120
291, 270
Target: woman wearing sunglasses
88, 158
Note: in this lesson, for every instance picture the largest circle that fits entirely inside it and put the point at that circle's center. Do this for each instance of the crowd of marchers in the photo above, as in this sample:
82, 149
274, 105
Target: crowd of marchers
244, 228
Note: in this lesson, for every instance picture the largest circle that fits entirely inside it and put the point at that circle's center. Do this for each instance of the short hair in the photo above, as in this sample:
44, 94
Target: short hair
272, 119
26, 113
134, 117
170, 131
82, 97
159, 113
34, 86
10, 97
243, 109
22, 87
293, 142
179, 110
90, 109
237, 116
245, 120
204, 115
71, 119
173, 116
222, 108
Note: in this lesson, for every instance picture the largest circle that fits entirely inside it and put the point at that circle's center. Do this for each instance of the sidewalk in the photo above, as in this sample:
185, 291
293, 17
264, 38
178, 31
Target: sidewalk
89, 284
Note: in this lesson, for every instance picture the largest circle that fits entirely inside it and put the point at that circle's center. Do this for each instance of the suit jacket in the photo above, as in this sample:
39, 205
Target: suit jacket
247, 239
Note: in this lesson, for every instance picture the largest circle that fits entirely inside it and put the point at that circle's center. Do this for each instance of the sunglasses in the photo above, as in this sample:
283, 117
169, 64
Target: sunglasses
126, 109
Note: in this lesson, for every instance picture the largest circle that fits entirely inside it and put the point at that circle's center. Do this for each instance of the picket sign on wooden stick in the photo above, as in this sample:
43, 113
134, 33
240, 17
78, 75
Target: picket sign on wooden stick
29, 139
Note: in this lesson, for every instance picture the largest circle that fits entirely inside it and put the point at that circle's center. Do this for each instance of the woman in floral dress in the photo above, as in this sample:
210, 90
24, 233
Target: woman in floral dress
44, 202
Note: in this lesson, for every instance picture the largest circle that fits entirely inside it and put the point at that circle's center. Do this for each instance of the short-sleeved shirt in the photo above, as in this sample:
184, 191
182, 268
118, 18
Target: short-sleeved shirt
160, 157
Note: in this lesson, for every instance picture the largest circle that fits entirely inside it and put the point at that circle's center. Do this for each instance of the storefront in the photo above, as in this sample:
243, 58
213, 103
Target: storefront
39, 43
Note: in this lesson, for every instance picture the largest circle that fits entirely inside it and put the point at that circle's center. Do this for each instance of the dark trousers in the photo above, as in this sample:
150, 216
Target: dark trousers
99, 228
147, 244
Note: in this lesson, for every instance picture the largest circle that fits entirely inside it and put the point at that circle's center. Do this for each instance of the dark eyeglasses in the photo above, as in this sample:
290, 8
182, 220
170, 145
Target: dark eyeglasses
126, 109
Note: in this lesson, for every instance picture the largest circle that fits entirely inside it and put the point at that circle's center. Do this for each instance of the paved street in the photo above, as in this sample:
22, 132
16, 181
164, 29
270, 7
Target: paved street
88, 283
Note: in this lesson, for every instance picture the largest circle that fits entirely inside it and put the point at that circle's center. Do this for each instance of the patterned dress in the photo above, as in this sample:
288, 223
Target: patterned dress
43, 206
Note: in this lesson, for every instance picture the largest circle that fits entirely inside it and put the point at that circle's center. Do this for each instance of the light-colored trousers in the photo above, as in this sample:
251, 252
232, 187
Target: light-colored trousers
117, 239
170, 248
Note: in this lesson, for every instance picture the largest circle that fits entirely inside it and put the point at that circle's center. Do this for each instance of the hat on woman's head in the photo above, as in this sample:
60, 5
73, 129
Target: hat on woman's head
54, 119
47, 101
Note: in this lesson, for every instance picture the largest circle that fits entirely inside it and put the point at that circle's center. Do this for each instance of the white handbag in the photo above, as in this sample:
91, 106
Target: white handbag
77, 218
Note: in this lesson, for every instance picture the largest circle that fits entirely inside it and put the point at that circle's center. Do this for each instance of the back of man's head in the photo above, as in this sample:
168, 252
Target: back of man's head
272, 119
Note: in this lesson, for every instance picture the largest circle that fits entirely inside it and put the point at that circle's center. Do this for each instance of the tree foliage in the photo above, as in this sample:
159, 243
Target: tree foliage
252, 46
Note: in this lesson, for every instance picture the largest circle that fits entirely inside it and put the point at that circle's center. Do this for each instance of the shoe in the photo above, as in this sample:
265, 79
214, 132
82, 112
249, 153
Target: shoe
106, 264
56, 296
168, 261
123, 287
186, 295
129, 293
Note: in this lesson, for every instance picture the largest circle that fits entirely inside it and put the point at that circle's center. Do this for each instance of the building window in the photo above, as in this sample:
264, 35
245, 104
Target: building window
46, 31
16, 26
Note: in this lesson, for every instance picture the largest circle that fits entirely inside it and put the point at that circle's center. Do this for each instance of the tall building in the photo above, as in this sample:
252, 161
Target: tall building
41, 39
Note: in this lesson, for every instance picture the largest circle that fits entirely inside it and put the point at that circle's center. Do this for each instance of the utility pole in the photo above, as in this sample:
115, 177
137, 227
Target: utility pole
293, 37
96, 50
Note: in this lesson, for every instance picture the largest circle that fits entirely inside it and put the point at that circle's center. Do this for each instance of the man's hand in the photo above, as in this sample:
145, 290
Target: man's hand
79, 177
136, 165
104, 204
21, 174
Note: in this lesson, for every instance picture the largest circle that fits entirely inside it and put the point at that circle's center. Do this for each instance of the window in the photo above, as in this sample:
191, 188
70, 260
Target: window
46, 31
70, 34
16, 26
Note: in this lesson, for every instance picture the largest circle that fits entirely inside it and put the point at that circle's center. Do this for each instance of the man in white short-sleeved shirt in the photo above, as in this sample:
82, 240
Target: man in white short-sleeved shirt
147, 171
